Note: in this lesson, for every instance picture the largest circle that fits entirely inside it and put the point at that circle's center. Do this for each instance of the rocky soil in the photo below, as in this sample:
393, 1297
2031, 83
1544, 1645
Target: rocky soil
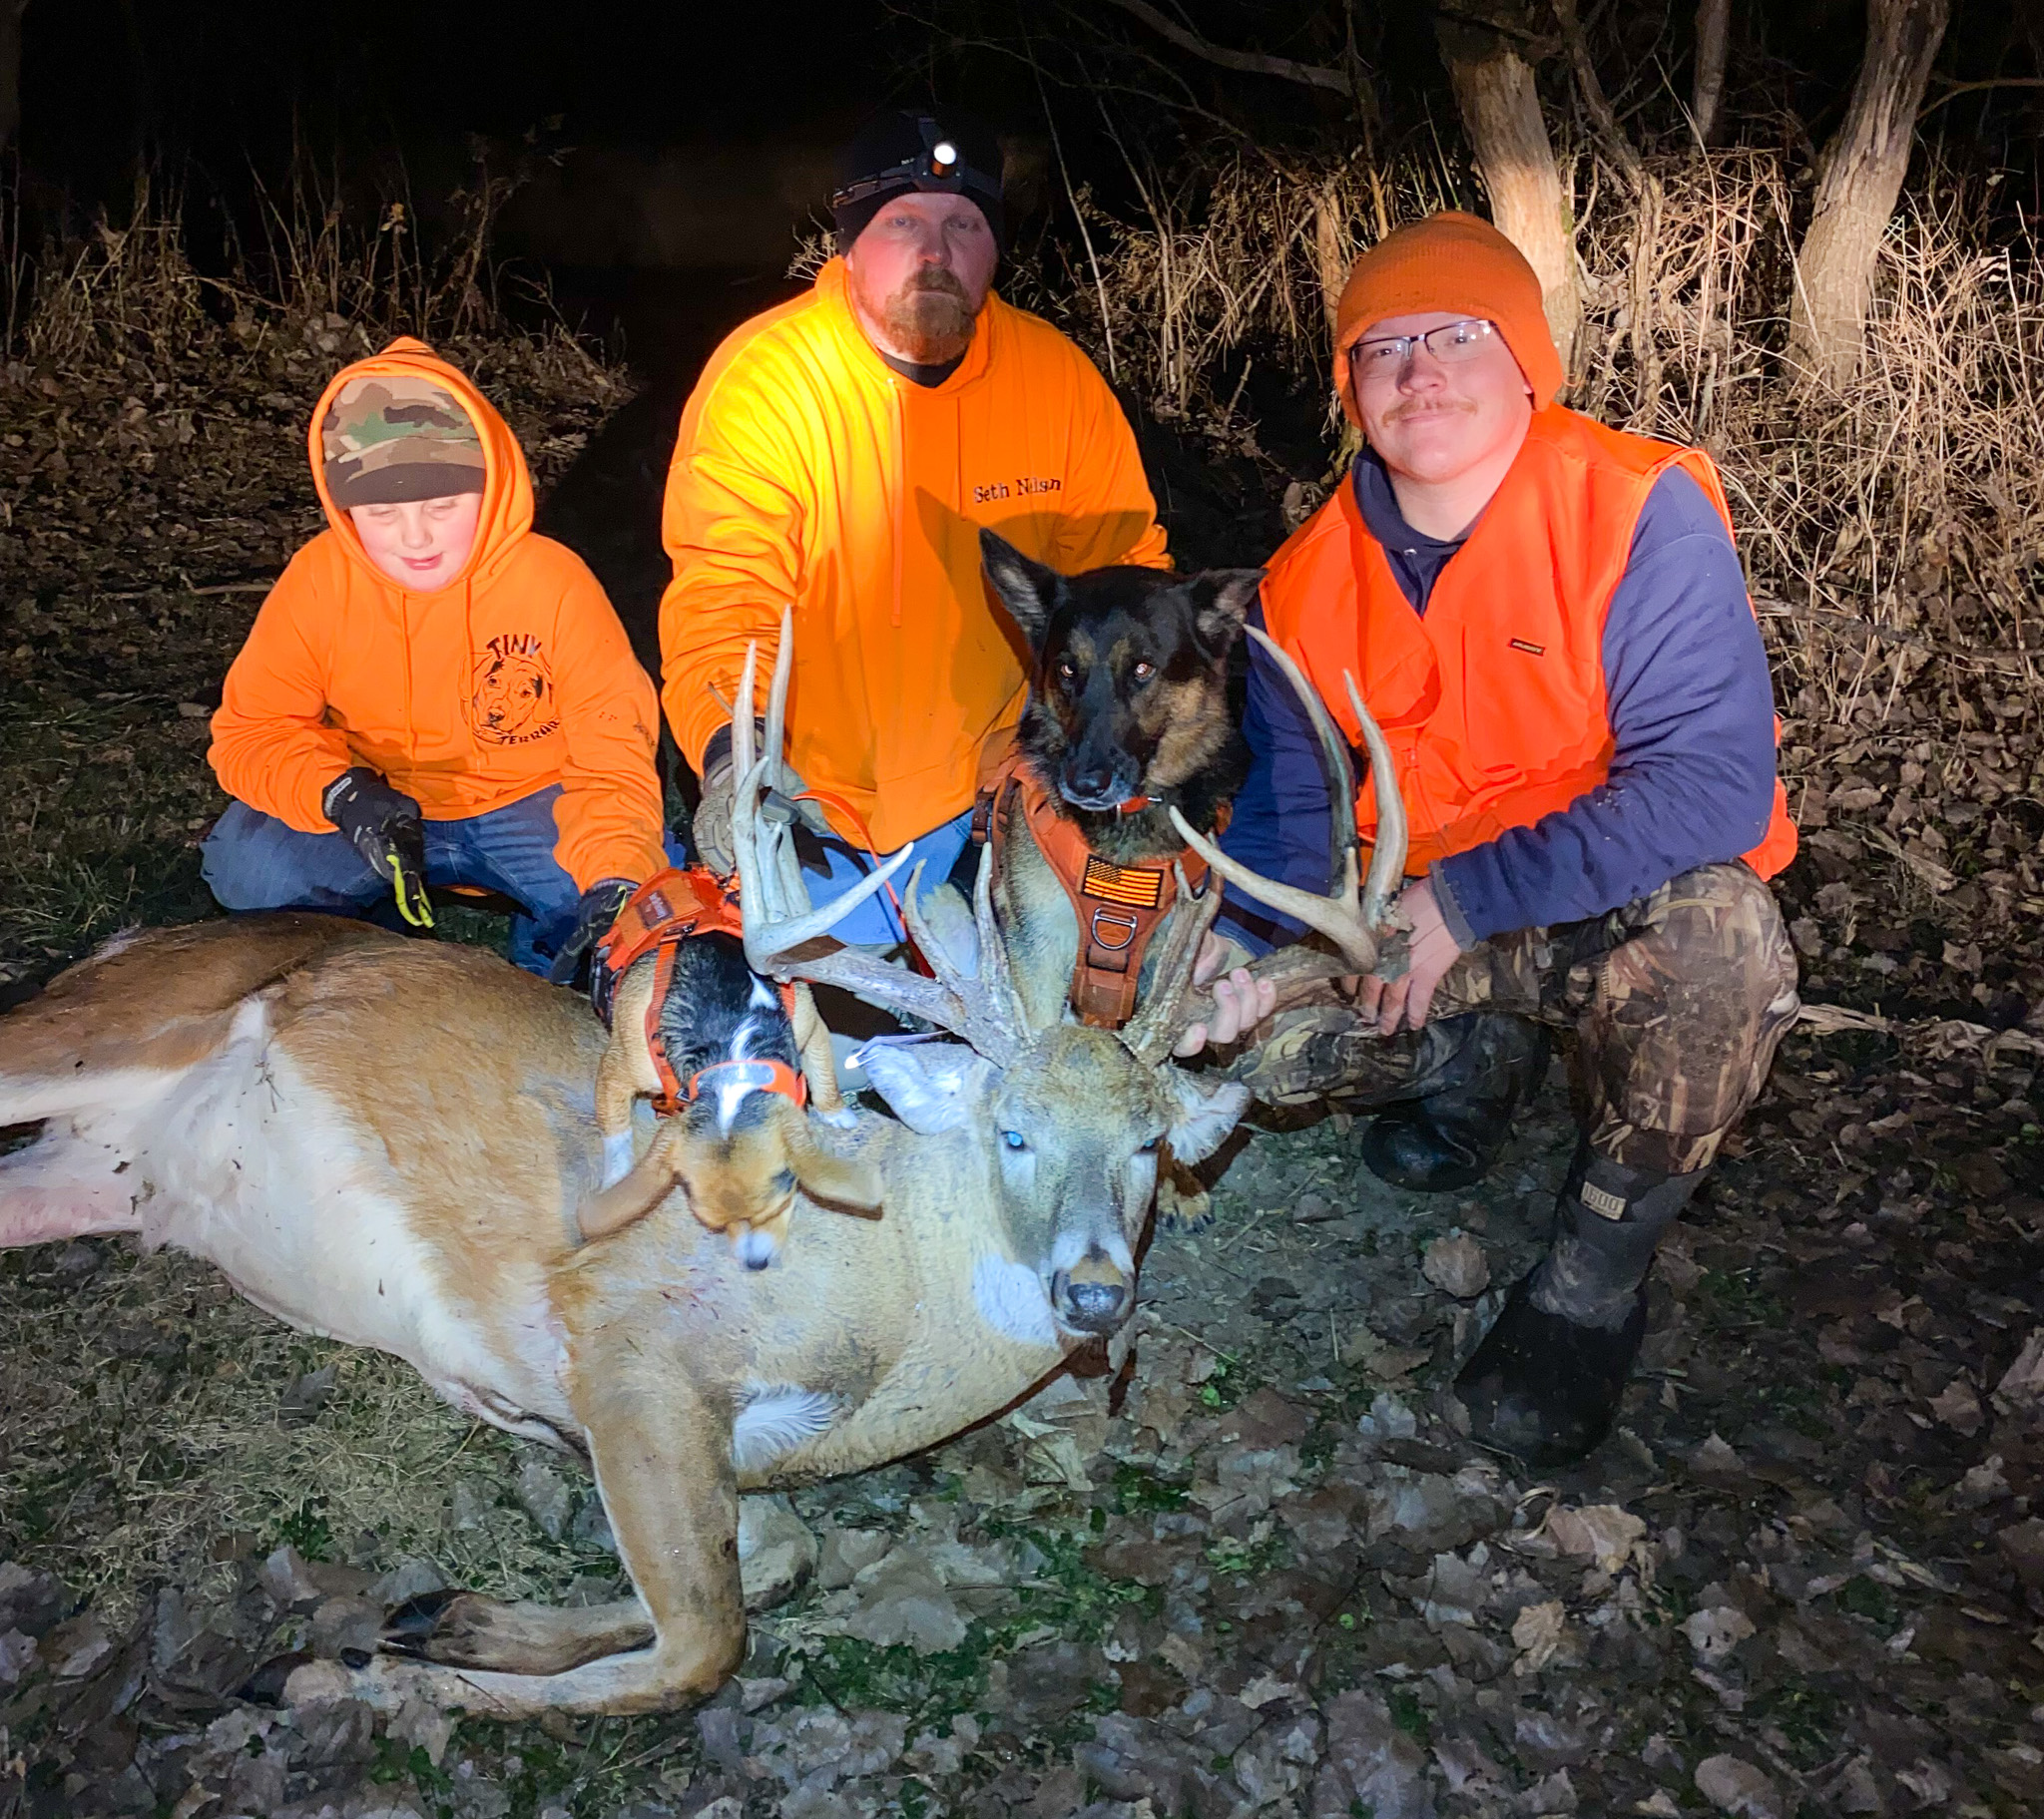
1263, 1572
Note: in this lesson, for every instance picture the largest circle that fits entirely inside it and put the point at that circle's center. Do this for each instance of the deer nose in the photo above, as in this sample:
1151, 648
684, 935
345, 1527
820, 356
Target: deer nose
1094, 1295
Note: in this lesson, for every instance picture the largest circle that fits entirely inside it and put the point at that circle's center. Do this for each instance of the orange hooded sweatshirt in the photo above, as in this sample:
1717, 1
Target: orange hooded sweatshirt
808, 471
514, 675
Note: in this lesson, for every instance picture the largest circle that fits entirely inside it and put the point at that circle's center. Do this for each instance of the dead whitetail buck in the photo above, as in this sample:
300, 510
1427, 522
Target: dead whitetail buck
219, 1087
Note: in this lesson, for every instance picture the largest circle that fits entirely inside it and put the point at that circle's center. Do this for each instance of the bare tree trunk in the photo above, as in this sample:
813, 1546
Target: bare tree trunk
1714, 33
1500, 112
11, 12
1330, 252
1864, 168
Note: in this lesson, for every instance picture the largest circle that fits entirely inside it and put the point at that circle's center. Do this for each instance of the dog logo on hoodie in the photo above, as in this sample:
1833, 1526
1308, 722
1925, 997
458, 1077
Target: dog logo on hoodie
513, 699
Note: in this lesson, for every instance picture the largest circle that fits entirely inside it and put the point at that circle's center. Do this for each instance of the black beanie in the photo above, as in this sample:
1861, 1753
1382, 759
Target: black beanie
897, 150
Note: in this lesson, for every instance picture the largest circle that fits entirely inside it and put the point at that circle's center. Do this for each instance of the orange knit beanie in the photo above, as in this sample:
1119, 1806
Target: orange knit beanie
1450, 261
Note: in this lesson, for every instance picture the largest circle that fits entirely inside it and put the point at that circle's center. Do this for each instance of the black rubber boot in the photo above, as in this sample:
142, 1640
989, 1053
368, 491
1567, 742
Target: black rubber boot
1546, 1381
1449, 1138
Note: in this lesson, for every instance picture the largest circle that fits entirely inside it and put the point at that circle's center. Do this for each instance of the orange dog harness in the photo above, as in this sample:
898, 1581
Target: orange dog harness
1119, 906
660, 915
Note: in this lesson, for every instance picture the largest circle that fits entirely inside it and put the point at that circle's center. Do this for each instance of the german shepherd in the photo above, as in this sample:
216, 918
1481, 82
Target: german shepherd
1128, 702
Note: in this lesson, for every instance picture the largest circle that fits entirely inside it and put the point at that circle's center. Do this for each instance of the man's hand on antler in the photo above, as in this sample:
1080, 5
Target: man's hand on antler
710, 828
1431, 950
1240, 1003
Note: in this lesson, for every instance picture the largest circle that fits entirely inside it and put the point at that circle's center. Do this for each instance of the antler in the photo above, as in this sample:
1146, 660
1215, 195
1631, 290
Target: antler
1353, 926
982, 1008
1156, 1028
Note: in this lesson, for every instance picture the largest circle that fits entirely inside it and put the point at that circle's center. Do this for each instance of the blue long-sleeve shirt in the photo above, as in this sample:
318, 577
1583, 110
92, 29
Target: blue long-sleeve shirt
1691, 712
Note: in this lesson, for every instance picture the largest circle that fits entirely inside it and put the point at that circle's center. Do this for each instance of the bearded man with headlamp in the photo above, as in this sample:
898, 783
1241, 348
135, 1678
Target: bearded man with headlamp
840, 454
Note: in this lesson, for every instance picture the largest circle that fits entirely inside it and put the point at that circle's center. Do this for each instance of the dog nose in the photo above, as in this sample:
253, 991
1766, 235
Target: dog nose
1095, 783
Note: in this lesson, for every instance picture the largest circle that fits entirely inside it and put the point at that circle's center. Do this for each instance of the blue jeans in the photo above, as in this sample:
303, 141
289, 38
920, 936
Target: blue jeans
253, 861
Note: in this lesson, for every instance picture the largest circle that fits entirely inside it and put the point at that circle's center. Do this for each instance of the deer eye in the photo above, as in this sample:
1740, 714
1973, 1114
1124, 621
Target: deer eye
783, 1182
1013, 1139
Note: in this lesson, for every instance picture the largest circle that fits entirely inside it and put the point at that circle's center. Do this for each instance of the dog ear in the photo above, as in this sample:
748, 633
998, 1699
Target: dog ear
1027, 589
1222, 599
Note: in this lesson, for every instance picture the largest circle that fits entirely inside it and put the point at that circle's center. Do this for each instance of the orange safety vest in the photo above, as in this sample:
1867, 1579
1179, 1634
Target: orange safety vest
1493, 702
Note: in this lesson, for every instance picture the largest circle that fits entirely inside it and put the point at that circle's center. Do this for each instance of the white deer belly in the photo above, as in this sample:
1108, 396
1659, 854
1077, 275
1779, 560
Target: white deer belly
247, 1164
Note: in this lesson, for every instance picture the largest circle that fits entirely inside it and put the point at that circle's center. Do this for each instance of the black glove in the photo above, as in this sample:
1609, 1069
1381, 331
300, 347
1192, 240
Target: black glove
594, 915
383, 825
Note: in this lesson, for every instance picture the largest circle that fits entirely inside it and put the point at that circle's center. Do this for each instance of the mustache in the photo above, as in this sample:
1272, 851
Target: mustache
935, 279
1426, 407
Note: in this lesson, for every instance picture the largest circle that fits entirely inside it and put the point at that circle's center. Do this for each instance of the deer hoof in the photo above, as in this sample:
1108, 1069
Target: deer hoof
1183, 1209
419, 1627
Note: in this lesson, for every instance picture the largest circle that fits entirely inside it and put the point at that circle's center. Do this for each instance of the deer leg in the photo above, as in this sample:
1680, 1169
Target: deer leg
59, 1187
662, 1457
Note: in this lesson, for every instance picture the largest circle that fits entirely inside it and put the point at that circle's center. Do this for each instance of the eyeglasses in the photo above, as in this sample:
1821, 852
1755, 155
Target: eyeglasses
1450, 344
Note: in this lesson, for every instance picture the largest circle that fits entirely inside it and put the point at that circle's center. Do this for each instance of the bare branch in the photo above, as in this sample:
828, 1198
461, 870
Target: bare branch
1252, 63
1954, 89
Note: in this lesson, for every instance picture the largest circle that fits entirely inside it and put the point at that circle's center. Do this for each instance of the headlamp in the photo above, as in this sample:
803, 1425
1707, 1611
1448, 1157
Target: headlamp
937, 166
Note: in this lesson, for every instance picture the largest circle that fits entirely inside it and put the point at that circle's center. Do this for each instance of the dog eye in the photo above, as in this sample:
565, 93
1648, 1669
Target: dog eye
1144, 671
1150, 1148
1067, 668
1013, 1139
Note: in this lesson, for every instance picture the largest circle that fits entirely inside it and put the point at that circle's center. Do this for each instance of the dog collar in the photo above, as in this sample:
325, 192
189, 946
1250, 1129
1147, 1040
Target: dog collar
752, 1075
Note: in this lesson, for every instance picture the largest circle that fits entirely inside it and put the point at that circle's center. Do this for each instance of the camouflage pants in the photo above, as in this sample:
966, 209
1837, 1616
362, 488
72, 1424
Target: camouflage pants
1678, 1001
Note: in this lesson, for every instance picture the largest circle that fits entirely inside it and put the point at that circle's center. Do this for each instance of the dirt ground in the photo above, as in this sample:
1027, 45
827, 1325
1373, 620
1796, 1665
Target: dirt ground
1805, 1576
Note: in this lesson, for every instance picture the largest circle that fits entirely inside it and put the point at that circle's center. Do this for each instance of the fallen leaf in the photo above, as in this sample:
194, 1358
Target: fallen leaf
2021, 1389
1458, 1266
1715, 1633
1737, 1787
1536, 1633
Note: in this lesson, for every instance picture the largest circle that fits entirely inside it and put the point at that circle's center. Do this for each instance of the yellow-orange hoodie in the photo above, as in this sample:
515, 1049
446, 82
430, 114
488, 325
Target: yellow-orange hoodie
513, 676
808, 471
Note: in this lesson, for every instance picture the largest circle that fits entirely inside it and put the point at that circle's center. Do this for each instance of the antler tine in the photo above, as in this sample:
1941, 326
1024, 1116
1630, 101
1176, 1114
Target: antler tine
776, 695
1387, 857
995, 1024
1351, 925
744, 751
1156, 1028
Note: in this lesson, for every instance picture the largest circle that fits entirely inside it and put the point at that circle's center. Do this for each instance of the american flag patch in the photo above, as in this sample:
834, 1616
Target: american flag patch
1134, 886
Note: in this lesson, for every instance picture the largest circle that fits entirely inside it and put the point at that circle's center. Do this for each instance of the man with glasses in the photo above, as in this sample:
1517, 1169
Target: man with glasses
842, 453
1548, 619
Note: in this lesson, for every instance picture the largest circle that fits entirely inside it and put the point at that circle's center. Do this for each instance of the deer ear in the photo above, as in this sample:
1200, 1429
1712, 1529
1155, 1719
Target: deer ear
1224, 598
1206, 1114
844, 1181
931, 1086
1027, 589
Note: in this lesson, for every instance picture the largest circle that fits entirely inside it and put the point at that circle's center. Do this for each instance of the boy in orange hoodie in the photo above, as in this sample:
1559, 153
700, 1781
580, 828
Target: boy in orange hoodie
433, 695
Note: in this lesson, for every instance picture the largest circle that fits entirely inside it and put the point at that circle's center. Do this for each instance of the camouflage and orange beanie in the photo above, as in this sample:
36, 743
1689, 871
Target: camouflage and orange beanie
390, 440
